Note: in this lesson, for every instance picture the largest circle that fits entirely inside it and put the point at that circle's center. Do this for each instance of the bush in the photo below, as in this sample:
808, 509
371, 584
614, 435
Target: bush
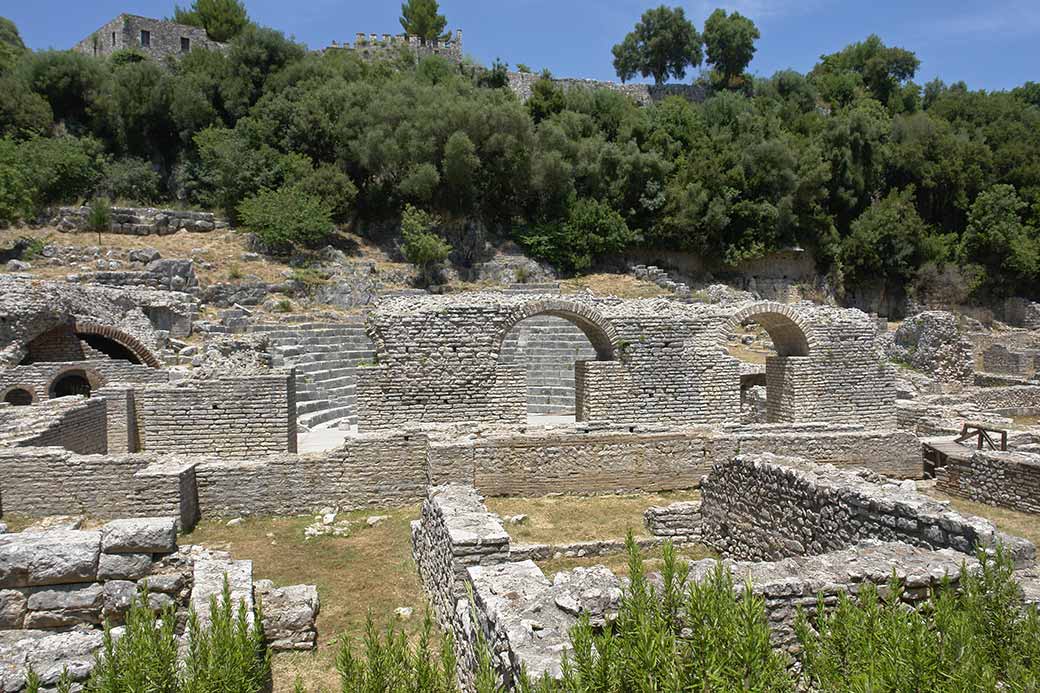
286, 218
228, 657
132, 179
421, 246
333, 187
99, 215
593, 229
389, 663
61, 169
16, 195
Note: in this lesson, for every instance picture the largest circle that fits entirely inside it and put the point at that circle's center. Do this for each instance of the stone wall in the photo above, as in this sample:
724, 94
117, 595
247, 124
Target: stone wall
767, 507
165, 39
657, 361
139, 221
38, 378
1005, 479
678, 522
50, 481
1022, 312
387, 46
224, 417
73, 423
1016, 397
522, 84
367, 470
999, 359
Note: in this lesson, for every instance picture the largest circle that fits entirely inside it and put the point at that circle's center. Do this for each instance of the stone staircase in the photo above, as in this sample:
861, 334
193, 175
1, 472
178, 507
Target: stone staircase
548, 347
325, 356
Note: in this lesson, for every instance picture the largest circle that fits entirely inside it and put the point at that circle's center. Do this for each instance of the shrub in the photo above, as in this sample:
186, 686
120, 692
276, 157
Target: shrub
333, 187
99, 215
593, 229
16, 196
422, 247
61, 169
228, 657
286, 218
132, 179
389, 663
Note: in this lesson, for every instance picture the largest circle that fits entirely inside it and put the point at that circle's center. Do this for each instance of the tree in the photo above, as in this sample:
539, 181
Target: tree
663, 44
998, 239
223, 20
421, 246
730, 42
420, 18
888, 241
880, 68
11, 45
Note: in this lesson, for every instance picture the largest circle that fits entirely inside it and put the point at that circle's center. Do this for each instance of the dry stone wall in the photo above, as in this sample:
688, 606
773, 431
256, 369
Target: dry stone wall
139, 221
1005, 479
767, 507
223, 417
679, 522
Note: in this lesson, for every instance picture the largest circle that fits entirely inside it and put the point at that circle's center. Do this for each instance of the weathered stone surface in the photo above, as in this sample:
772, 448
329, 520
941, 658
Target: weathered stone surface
595, 591
289, 615
48, 559
118, 596
140, 535
12, 609
931, 342
124, 566
64, 605
48, 654
210, 574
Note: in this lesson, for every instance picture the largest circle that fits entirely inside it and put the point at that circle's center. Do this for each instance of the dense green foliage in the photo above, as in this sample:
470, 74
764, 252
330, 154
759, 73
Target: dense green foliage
222, 19
286, 217
390, 664
420, 243
887, 182
663, 44
229, 656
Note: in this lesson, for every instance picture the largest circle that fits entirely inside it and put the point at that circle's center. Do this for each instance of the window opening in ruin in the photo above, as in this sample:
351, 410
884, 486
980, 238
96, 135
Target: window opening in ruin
72, 383
548, 347
146, 38
109, 347
18, 397
185, 44
761, 343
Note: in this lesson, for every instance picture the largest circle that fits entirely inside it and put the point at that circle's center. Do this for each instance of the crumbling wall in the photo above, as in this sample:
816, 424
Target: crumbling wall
1005, 479
767, 507
39, 377
931, 342
223, 417
678, 522
139, 221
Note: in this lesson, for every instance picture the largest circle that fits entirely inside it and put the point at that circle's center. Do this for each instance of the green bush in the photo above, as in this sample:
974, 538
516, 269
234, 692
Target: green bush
228, 657
591, 231
389, 663
333, 187
132, 179
286, 218
421, 246
61, 169
16, 192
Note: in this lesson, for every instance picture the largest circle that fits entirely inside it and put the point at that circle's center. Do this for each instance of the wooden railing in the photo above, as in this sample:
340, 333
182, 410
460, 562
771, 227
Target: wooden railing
981, 434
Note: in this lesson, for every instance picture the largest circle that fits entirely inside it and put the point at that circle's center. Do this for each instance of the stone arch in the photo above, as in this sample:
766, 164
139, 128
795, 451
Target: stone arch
128, 342
791, 335
19, 395
94, 379
600, 333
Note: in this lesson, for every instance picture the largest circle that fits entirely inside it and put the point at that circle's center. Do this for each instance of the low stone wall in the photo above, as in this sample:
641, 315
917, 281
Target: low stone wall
140, 221
367, 470
767, 507
522, 84
678, 522
992, 398
1022, 312
49, 481
1005, 479
57, 586
224, 417
72, 423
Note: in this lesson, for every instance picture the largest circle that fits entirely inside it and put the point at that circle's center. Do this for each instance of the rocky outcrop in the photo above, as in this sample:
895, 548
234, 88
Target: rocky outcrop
931, 342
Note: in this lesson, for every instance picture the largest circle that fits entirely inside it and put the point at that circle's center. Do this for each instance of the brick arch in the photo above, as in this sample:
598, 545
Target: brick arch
92, 376
791, 334
600, 333
4, 392
143, 353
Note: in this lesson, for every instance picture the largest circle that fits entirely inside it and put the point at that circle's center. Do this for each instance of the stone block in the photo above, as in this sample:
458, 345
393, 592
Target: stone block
124, 566
12, 609
210, 574
140, 535
50, 558
64, 605
289, 615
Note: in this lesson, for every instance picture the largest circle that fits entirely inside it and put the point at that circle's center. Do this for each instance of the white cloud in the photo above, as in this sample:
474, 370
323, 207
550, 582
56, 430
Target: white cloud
995, 21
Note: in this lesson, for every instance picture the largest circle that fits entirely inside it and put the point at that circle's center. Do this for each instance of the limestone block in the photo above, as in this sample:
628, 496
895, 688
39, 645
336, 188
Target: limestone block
140, 535
64, 605
49, 558
48, 654
118, 596
12, 609
124, 566
289, 615
210, 574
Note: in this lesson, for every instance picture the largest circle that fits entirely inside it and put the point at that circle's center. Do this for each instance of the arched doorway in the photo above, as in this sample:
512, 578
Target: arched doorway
70, 383
18, 397
773, 345
549, 339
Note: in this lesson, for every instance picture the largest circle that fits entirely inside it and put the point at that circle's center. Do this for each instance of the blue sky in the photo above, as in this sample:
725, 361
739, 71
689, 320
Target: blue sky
990, 45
